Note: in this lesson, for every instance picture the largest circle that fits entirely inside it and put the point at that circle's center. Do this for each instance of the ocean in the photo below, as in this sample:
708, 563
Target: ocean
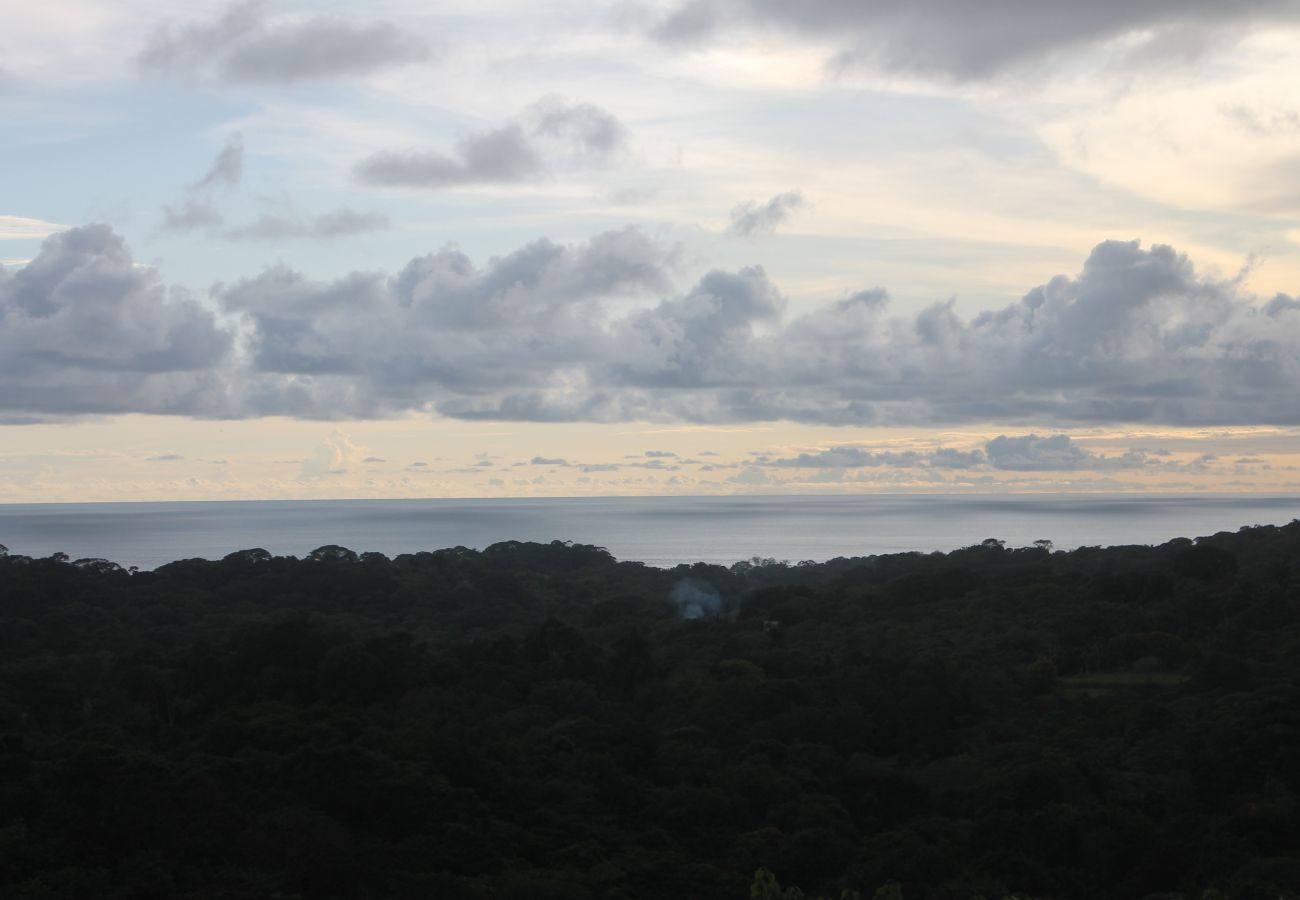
660, 531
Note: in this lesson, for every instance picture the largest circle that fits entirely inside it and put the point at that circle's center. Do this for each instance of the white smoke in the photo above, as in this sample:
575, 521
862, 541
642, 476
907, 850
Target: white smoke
695, 601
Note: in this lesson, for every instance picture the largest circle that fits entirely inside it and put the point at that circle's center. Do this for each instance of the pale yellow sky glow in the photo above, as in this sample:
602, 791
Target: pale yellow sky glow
156, 458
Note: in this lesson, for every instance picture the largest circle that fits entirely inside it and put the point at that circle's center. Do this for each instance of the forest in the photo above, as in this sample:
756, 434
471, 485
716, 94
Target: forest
543, 721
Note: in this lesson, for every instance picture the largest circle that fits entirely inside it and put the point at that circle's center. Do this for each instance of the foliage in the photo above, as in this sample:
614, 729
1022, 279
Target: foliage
537, 720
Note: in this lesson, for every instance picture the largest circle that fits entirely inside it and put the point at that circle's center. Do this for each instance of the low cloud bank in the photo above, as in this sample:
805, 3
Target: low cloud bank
1023, 453
596, 331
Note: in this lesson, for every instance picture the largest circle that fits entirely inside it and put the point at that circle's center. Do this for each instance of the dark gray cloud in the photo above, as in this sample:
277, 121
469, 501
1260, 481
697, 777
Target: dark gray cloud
507, 154
952, 39
751, 219
340, 223
698, 339
596, 332
244, 45
85, 330
1136, 336
442, 324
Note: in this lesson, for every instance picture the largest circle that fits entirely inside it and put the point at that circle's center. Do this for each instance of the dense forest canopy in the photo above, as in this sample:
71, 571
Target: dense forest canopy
542, 721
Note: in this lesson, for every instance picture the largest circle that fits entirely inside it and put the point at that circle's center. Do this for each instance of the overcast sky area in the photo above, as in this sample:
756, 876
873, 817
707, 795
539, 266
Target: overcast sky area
278, 250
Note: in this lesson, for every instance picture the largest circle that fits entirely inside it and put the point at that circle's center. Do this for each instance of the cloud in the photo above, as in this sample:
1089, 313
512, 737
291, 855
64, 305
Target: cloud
243, 46
1136, 336
342, 222
1280, 305
655, 464
948, 458
1021, 453
376, 343
1031, 453
596, 331
507, 154
164, 457
591, 130
500, 156
1058, 453
228, 168
190, 214
751, 219
695, 340
333, 456
956, 40
544, 461
847, 457
83, 329
197, 210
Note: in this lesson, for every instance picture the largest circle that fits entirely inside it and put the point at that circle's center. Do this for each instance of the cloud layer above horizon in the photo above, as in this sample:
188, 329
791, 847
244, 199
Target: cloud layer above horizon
597, 331
462, 237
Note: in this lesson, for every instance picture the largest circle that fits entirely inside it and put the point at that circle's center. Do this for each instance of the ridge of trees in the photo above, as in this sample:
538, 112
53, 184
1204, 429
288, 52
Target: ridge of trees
544, 721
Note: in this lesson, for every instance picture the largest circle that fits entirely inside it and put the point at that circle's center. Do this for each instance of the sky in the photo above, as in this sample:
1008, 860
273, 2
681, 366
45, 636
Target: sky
561, 248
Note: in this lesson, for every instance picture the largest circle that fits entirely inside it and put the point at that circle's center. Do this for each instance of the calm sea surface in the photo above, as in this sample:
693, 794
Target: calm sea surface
661, 531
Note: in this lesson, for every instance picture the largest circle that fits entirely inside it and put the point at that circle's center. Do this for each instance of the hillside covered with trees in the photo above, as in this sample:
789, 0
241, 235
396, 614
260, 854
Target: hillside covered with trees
543, 721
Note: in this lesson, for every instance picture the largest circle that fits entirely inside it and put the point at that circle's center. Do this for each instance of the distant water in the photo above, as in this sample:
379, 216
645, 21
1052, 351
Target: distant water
660, 531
